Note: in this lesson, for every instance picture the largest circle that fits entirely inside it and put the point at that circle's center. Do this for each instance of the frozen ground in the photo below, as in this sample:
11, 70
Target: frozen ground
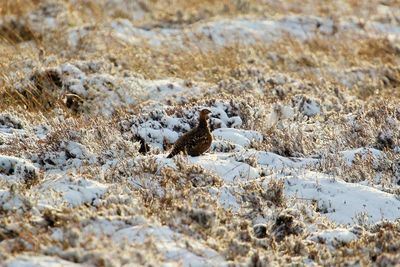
304, 167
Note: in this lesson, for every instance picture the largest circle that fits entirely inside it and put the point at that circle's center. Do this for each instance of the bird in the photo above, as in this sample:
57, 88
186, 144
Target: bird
196, 141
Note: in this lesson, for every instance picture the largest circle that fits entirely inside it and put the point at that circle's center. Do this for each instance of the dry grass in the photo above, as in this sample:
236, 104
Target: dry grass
363, 114
299, 59
17, 7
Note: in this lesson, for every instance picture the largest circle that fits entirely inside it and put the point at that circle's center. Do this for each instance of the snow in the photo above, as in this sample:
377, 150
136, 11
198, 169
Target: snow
350, 155
223, 32
248, 31
275, 161
342, 202
124, 30
229, 171
312, 108
156, 126
102, 93
57, 234
236, 136
383, 28
9, 123
76, 150
174, 247
75, 35
226, 198
102, 226
307, 106
71, 169
70, 155
46, 18
58, 190
279, 113
157, 136
41, 131
38, 261
16, 169
338, 235
160, 90
10, 201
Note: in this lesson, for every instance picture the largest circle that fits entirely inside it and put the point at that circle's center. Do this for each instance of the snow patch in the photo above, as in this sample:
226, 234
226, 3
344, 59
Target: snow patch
230, 171
333, 237
88, 87
71, 191
9, 123
343, 203
350, 155
38, 261
156, 127
307, 106
10, 201
275, 161
173, 246
16, 169
225, 31
237, 136
226, 198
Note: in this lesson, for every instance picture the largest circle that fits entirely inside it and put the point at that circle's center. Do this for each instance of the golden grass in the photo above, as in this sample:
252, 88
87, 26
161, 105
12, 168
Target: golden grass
327, 54
314, 63
17, 7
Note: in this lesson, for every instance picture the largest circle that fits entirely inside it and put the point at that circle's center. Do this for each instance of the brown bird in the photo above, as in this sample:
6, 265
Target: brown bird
196, 141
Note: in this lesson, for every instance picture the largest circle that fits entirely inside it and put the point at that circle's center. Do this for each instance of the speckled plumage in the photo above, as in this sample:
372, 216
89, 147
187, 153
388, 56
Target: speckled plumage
196, 141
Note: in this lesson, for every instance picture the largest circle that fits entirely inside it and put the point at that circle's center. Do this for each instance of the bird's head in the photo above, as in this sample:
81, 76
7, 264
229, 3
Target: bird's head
204, 112
204, 117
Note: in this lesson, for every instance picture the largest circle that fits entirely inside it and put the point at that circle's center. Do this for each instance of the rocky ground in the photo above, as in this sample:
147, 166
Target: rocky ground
304, 168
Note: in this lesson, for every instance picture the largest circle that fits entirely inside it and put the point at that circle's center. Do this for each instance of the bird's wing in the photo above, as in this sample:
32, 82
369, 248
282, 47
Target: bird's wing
197, 138
181, 143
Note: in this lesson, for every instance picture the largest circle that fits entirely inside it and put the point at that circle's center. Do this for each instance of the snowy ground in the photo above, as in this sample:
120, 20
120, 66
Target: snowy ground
304, 166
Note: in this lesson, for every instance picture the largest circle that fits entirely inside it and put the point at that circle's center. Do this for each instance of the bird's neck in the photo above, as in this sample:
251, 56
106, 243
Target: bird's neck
203, 123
